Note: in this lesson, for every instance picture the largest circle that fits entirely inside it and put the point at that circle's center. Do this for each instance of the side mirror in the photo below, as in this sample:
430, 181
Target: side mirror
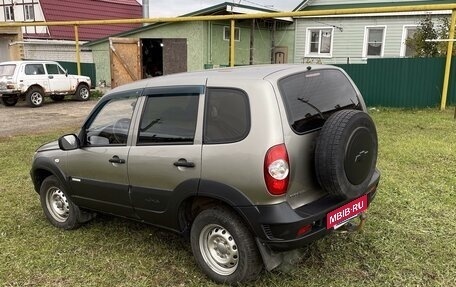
69, 142
66, 73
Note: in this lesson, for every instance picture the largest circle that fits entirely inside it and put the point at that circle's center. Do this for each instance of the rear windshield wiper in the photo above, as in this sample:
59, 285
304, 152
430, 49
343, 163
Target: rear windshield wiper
312, 106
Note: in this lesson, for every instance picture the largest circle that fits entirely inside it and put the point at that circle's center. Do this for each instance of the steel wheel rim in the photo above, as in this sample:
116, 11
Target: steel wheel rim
219, 249
57, 204
84, 93
36, 98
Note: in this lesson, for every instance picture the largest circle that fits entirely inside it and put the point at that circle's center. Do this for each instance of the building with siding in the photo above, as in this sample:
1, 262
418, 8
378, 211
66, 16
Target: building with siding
57, 42
188, 46
337, 39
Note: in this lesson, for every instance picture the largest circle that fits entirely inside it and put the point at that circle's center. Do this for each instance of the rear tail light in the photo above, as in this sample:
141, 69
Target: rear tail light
276, 170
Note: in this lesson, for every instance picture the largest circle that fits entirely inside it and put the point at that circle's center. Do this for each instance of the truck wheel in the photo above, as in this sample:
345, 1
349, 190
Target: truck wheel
223, 247
82, 93
57, 98
35, 97
9, 101
57, 206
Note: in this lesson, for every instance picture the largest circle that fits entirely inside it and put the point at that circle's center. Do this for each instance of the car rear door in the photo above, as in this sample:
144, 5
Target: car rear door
164, 165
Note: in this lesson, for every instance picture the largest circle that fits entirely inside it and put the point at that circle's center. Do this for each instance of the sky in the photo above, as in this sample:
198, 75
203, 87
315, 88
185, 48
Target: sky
169, 8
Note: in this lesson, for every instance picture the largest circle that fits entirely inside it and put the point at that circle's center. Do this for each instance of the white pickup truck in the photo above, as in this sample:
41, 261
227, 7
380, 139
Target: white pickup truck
34, 80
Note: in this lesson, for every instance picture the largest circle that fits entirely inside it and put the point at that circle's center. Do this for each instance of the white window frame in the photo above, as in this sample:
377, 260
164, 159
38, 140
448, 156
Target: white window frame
237, 31
366, 38
308, 39
404, 38
29, 12
8, 10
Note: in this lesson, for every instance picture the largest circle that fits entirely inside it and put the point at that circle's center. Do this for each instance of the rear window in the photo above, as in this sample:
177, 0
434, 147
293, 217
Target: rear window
311, 97
7, 70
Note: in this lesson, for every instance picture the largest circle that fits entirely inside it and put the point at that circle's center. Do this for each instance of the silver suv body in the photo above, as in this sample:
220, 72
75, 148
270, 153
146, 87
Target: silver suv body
34, 80
248, 162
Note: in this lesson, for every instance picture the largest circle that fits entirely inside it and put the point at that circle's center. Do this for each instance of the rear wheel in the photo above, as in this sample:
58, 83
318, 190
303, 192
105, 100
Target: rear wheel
223, 247
9, 101
82, 93
35, 97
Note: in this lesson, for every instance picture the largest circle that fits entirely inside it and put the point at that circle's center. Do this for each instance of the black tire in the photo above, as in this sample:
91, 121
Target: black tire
346, 153
57, 98
82, 93
57, 206
9, 101
35, 97
223, 247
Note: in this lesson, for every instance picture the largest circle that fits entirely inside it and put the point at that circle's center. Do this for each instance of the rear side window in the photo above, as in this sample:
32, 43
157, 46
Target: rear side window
227, 116
169, 119
311, 97
7, 70
34, 69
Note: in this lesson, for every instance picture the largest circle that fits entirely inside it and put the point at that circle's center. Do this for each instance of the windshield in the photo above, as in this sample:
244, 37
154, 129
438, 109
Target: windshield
311, 97
7, 70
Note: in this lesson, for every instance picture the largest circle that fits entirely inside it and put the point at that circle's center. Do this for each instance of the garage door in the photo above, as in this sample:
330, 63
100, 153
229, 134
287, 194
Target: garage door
125, 54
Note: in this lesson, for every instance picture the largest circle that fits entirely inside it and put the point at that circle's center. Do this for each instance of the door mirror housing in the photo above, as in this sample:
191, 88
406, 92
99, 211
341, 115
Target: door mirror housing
69, 142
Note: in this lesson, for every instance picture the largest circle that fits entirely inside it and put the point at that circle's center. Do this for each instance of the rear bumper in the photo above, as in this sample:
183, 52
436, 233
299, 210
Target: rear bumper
277, 226
8, 93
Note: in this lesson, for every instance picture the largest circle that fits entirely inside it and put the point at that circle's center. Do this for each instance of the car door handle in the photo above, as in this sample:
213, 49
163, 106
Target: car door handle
51, 77
183, 162
116, 159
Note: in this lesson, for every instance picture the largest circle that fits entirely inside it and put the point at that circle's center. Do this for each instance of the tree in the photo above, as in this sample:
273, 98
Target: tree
429, 29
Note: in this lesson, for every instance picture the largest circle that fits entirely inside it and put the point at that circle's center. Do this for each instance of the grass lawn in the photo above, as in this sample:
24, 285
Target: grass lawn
409, 238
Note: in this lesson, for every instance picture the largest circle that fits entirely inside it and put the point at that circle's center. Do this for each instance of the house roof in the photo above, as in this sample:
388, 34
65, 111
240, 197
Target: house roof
309, 5
62, 10
219, 9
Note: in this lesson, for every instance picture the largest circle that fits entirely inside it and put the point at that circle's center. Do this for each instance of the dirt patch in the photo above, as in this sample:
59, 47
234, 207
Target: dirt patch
22, 119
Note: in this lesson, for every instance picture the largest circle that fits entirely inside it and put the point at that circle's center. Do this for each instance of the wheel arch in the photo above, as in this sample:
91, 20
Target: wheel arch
42, 169
211, 194
38, 86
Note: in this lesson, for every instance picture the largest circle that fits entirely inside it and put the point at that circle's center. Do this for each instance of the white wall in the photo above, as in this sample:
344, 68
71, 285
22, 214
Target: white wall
55, 52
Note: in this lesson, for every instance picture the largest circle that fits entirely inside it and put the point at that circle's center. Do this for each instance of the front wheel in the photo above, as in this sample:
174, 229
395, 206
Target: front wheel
223, 247
82, 93
57, 206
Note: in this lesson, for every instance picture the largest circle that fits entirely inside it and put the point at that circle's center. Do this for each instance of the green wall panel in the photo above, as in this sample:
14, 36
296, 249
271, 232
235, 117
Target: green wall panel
404, 82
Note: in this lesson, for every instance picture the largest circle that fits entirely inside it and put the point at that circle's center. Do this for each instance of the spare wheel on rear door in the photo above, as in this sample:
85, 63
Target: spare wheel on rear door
346, 153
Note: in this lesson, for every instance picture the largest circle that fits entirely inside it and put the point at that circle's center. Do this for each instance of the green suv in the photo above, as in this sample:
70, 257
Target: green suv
247, 162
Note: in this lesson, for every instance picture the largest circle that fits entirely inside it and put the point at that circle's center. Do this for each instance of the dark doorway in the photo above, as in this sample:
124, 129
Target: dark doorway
152, 57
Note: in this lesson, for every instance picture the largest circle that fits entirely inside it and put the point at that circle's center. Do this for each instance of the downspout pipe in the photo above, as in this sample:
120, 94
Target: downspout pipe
145, 10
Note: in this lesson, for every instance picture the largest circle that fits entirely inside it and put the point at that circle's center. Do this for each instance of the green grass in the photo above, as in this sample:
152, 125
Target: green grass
409, 238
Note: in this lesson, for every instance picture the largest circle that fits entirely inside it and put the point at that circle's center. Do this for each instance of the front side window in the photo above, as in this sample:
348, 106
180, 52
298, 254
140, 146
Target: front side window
374, 41
227, 33
227, 116
54, 69
9, 13
29, 13
319, 41
34, 69
169, 119
111, 124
